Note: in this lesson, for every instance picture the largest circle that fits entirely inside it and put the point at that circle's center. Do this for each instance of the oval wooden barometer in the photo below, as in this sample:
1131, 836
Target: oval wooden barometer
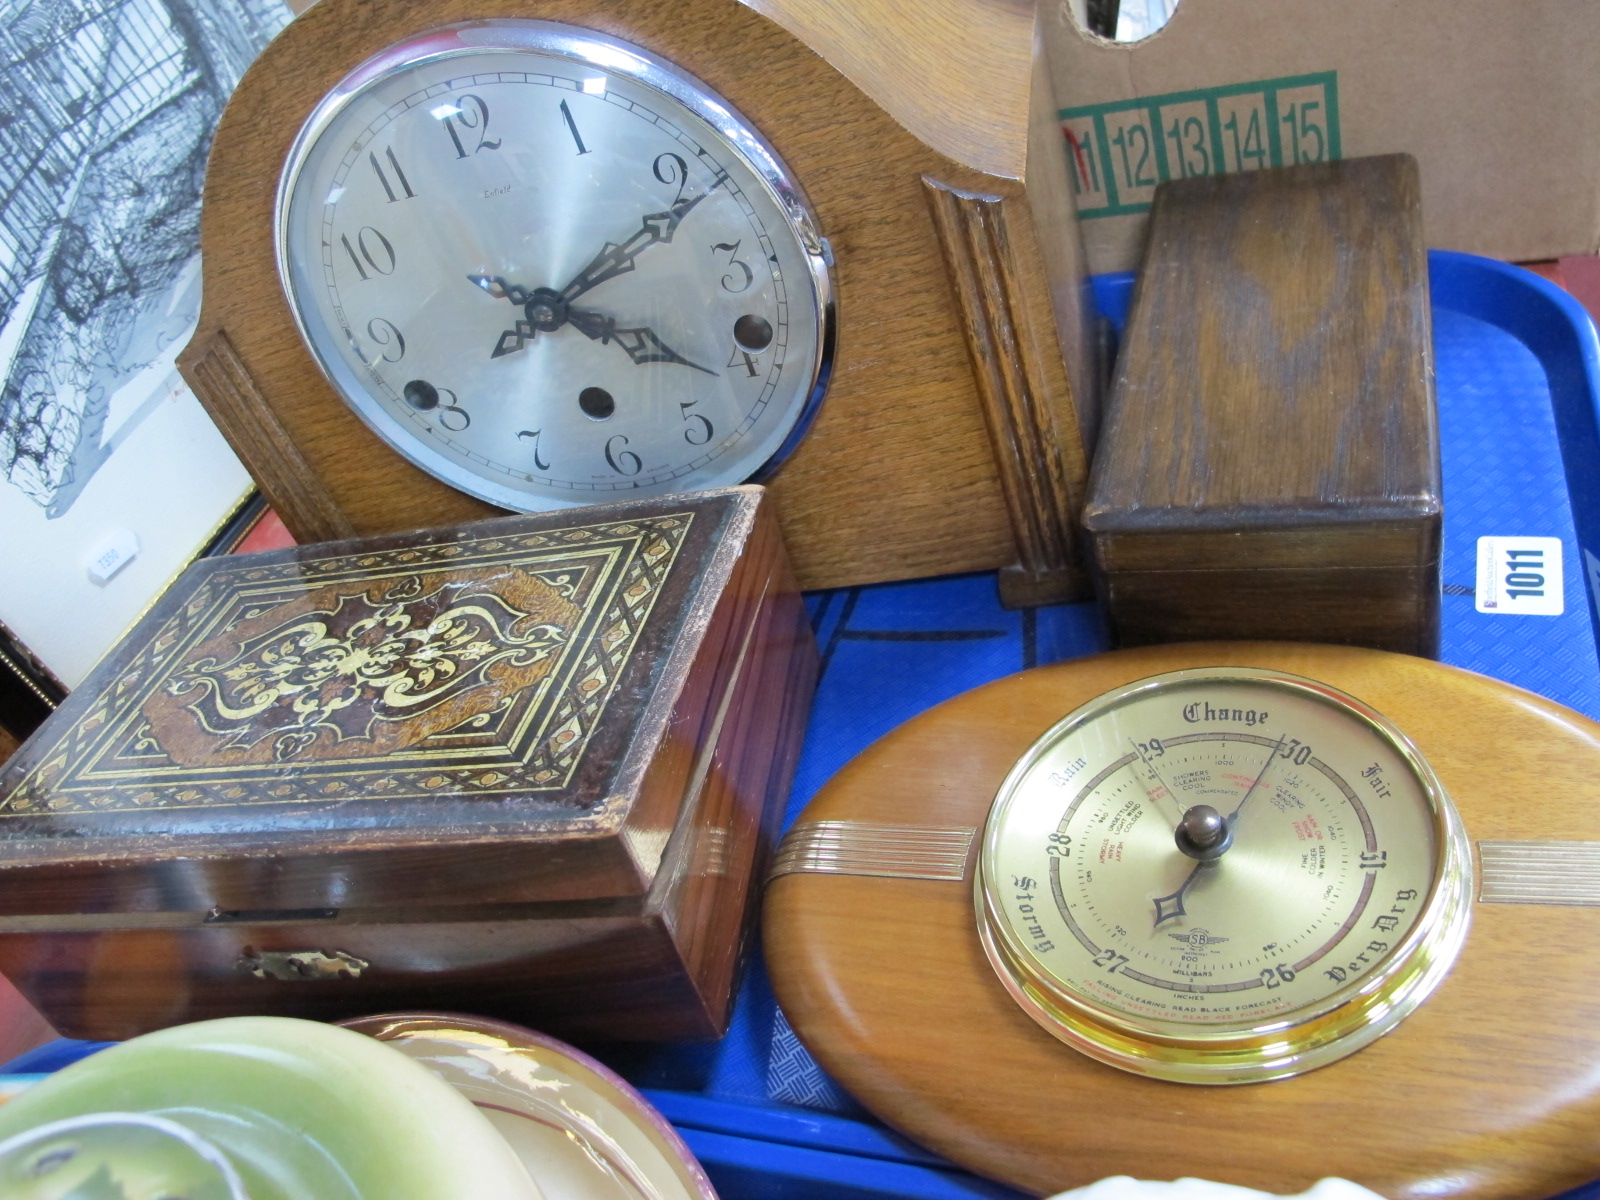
1357, 890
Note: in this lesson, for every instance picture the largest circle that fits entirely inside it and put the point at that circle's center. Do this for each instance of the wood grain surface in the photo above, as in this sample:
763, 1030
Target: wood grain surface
1039, 475
584, 856
1491, 1089
1273, 407
955, 73
897, 478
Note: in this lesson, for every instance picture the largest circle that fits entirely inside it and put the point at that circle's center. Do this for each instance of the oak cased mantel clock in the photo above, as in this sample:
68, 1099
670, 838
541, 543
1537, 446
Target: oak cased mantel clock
482, 257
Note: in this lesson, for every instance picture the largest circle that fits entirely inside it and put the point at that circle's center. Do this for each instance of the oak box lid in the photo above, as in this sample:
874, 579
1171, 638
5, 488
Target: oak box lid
493, 713
1274, 400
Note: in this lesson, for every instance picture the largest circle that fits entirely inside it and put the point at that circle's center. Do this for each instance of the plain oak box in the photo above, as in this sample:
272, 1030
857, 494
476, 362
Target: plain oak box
526, 767
1269, 467
1498, 103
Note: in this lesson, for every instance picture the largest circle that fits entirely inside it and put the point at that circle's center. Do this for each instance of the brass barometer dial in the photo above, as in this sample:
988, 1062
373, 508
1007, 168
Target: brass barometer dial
1222, 876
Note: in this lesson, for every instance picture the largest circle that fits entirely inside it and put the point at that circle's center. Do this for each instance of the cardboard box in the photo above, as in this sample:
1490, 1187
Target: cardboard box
1499, 103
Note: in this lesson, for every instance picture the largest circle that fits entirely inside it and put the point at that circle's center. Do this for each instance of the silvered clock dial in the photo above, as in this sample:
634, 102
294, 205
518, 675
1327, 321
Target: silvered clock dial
551, 269
1222, 876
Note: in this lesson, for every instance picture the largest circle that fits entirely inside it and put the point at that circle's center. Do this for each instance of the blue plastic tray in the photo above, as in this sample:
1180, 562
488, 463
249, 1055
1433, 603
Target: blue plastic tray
1518, 365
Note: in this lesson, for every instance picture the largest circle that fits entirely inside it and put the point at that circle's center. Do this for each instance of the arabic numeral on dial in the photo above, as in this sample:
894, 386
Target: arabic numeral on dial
533, 435
424, 397
743, 358
375, 250
731, 282
623, 462
1295, 752
704, 428
1110, 960
405, 192
386, 334
478, 125
1277, 976
1371, 860
1152, 749
452, 416
1060, 845
670, 169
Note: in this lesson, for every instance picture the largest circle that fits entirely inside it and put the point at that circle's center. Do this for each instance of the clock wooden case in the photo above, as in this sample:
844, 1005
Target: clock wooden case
527, 767
954, 432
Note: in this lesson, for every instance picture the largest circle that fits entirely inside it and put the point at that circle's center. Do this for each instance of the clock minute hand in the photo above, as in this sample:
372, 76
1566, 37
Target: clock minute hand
615, 259
639, 342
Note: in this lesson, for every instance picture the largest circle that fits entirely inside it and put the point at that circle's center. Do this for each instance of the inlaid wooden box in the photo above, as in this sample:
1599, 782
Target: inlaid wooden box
525, 767
1269, 466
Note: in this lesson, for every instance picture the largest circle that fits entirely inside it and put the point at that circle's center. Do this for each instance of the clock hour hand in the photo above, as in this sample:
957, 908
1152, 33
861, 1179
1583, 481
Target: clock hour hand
500, 289
617, 259
545, 310
639, 342
523, 331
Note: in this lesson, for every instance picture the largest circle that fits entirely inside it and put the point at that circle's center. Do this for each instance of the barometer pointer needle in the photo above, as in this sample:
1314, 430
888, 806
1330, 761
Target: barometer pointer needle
1207, 845
1272, 754
1153, 771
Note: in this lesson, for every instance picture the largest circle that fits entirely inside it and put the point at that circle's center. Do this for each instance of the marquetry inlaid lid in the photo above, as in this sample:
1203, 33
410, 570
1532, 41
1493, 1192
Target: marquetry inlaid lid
459, 691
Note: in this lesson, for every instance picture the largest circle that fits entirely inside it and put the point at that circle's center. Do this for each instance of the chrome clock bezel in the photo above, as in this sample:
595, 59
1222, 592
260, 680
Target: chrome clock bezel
602, 53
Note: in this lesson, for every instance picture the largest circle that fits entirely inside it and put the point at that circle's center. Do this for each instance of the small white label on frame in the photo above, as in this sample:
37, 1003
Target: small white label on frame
1520, 576
115, 551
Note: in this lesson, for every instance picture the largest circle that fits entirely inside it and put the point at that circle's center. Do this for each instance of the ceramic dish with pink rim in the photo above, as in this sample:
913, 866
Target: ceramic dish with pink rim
579, 1129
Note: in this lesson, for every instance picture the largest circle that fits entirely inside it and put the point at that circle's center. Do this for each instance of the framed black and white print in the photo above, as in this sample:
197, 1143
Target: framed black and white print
112, 477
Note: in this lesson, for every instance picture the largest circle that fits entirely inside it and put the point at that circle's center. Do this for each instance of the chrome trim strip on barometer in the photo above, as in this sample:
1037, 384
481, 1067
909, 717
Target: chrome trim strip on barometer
1555, 873
867, 848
